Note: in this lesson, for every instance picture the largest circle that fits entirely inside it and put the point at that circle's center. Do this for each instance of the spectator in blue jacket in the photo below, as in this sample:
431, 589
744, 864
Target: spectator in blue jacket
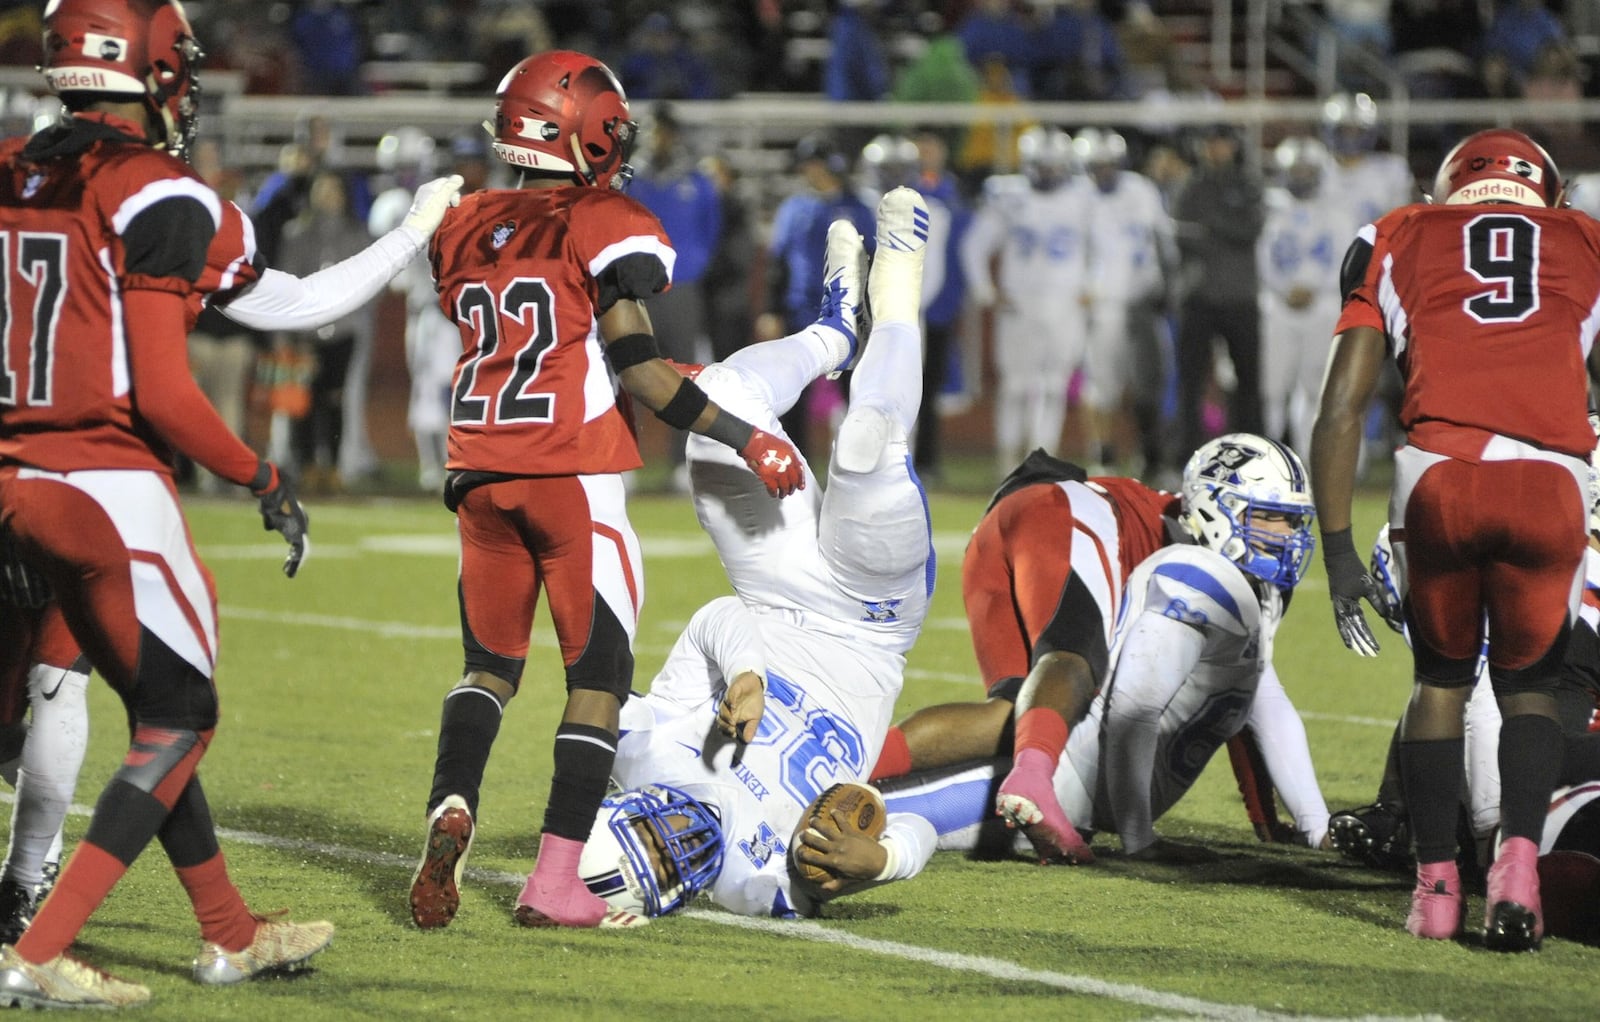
670, 184
941, 310
661, 64
995, 27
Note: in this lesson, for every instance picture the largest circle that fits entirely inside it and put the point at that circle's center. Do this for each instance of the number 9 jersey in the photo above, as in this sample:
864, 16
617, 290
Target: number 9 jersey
1490, 311
525, 275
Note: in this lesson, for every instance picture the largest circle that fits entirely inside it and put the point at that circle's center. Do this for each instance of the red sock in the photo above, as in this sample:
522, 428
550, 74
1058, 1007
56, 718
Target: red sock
1043, 730
895, 759
84, 883
224, 918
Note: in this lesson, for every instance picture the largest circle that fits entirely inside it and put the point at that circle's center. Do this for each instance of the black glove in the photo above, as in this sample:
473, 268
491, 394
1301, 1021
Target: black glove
20, 586
281, 512
1348, 584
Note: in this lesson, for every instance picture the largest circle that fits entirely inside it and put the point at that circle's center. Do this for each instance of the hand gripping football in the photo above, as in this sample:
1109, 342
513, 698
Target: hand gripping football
861, 810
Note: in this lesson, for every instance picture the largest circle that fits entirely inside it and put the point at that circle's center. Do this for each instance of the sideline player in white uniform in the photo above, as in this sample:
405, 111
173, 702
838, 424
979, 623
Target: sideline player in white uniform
1365, 182
1301, 245
1035, 223
1134, 250
1193, 660
832, 588
433, 342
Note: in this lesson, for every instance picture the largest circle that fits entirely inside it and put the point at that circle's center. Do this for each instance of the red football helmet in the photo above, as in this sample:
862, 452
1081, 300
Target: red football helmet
562, 112
1498, 165
139, 48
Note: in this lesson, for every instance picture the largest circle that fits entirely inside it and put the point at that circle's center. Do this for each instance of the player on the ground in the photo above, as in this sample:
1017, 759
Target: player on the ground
1486, 302
831, 594
1193, 654
547, 284
111, 238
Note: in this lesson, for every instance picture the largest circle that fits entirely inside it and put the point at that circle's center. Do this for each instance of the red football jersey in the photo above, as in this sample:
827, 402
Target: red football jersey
525, 273
65, 263
1490, 311
1141, 517
232, 262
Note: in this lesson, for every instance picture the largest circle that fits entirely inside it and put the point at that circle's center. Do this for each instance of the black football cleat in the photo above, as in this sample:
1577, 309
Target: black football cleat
1377, 835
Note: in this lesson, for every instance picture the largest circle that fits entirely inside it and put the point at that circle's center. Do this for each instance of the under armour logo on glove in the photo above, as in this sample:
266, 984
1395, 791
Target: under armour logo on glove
776, 462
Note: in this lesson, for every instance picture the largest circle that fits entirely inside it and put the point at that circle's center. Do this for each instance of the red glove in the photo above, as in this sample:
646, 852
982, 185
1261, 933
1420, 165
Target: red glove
776, 461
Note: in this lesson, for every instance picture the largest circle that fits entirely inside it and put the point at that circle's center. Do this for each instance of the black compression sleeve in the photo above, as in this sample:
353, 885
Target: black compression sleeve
729, 429
685, 406
626, 352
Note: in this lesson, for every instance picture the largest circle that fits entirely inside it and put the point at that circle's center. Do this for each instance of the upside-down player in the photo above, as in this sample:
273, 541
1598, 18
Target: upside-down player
771, 696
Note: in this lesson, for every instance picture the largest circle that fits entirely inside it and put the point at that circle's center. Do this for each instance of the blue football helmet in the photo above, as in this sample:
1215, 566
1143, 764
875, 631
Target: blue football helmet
1230, 479
652, 850
1387, 573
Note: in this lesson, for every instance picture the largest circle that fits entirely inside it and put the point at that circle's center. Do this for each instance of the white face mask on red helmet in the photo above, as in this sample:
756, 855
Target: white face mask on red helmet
564, 113
141, 49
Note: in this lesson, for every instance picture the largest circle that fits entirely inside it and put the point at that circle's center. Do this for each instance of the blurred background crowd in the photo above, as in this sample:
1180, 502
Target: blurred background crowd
1116, 277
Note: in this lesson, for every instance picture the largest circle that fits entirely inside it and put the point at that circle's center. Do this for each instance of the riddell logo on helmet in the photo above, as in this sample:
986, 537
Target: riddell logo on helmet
1496, 190
78, 78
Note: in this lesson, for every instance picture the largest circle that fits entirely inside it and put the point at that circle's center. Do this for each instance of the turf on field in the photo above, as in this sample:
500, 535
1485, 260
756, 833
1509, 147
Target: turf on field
330, 697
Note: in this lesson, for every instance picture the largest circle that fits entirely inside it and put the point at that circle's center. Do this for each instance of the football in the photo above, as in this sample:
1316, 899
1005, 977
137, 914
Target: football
864, 813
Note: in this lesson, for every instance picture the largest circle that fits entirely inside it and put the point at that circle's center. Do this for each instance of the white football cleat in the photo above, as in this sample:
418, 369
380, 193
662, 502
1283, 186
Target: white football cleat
894, 285
843, 266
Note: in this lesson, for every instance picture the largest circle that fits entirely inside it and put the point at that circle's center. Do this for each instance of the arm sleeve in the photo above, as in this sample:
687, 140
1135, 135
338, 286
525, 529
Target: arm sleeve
1157, 656
1282, 737
166, 394
282, 301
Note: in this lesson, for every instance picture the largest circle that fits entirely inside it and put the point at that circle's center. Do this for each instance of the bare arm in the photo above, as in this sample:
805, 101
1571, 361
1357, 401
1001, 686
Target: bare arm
1354, 365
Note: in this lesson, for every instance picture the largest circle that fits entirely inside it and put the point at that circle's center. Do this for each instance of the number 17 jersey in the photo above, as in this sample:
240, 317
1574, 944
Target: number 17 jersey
525, 274
1491, 311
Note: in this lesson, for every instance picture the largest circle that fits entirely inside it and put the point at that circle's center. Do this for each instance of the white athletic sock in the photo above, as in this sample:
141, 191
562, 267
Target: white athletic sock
58, 736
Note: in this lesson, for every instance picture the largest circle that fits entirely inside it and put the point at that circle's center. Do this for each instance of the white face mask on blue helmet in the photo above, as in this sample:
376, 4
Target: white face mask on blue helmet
1232, 479
640, 828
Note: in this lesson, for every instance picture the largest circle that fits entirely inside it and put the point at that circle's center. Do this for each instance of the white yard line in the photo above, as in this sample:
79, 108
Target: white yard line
992, 968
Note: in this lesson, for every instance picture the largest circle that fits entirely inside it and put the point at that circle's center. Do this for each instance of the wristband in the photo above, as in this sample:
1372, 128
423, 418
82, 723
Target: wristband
729, 429
685, 406
891, 861
1336, 543
262, 481
626, 352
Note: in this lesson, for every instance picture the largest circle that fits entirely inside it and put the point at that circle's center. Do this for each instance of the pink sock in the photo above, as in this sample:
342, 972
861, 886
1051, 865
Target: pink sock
554, 888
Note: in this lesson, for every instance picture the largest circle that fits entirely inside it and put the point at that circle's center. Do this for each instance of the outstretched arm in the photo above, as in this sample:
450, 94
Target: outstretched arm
282, 301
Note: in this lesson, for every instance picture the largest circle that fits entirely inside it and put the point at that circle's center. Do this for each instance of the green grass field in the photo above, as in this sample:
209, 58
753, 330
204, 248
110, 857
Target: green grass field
330, 696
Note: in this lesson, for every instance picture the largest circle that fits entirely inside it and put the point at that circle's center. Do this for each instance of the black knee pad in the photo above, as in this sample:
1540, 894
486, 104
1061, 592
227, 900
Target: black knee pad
168, 691
1543, 676
477, 658
606, 663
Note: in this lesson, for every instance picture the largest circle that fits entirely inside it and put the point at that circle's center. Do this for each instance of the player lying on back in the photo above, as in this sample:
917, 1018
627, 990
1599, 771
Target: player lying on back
772, 696
1192, 655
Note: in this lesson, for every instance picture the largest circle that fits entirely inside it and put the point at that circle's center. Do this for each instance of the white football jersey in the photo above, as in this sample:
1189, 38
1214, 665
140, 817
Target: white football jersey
829, 704
1194, 643
1370, 187
1129, 230
1041, 238
1302, 243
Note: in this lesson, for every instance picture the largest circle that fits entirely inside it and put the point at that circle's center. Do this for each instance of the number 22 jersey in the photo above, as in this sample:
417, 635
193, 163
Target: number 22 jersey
525, 274
1491, 311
